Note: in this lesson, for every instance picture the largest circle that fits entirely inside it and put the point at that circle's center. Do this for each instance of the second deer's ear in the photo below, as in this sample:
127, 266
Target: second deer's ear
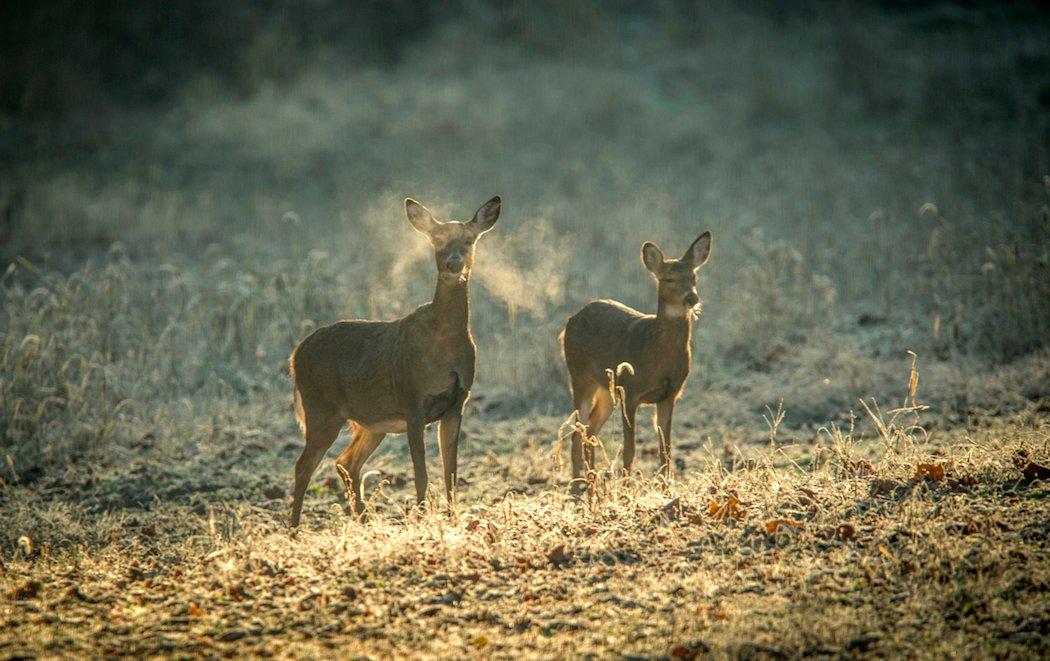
419, 216
652, 256
485, 217
699, 251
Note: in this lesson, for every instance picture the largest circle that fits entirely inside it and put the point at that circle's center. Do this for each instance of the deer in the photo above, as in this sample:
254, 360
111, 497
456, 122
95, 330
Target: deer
392, 377
605, 334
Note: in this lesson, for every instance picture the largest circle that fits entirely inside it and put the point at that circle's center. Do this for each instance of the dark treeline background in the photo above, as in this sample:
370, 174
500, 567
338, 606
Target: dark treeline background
58, 56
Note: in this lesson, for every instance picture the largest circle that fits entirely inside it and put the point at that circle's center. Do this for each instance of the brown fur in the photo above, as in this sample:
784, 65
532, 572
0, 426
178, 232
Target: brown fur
604, 334
393, 376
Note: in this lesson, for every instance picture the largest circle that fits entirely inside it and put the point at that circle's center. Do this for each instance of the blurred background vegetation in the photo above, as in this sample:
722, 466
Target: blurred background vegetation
188, 188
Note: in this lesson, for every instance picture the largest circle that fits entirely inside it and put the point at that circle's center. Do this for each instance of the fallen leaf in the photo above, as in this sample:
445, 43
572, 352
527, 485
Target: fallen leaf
845, 532
28, 590
688, 651
1033, 471
930, 471
883, 487
712, 612
558, 556
193, 611
773, 525
729, 510
963, 482
238, 592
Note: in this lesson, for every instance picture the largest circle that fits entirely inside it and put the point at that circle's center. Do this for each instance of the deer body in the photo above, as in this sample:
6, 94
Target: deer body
604, 334
386, 377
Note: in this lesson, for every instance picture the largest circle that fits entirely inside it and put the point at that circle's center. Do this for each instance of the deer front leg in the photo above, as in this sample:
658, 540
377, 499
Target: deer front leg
419, 459
448, 438
664, 412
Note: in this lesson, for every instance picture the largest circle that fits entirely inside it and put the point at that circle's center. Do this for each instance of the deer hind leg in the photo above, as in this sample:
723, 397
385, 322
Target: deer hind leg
603, 408
362, 444
320, 430
583, 399
448, 439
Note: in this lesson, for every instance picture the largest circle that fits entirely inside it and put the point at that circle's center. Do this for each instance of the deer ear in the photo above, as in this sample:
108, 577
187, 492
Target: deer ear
652, 256
485, 217
699, 251
419, 216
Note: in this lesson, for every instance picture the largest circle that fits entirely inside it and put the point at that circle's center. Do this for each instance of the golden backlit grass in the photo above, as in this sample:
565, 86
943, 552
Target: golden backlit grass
891, 543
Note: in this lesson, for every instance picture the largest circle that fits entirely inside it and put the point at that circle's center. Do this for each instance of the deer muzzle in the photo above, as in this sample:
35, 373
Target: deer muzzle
454, 265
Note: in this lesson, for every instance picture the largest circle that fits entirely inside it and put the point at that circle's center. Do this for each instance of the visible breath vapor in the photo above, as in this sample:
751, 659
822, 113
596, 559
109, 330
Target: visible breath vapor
523, 269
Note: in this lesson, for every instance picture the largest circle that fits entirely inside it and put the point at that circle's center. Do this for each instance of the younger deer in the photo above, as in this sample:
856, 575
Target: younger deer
604, 334
388, 377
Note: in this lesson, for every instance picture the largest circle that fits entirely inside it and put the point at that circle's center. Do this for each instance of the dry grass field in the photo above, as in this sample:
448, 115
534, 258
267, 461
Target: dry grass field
863, 446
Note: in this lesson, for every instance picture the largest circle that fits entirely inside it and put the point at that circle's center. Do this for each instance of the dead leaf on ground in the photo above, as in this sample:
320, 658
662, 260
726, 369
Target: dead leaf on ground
773, 525
194, 611
731, 509
28, 590
711, 612
1034, 471
929, 471
1030, 470
842, 532
688, 651
559, 556
962, 482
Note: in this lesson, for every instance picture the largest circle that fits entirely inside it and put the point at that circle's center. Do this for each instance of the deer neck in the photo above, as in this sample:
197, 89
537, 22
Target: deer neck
674, 325
451, 305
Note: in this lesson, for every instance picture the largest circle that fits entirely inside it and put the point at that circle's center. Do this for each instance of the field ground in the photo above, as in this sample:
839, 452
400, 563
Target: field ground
826, 543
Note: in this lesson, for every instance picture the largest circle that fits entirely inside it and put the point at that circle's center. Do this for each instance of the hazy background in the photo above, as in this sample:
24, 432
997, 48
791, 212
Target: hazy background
187, 189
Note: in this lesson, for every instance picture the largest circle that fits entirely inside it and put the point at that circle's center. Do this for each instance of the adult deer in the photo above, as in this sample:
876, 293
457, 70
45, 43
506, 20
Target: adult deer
605, 334
386, 377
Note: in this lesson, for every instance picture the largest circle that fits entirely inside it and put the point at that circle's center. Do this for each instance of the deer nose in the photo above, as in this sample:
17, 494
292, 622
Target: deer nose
454, 265
691, 299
